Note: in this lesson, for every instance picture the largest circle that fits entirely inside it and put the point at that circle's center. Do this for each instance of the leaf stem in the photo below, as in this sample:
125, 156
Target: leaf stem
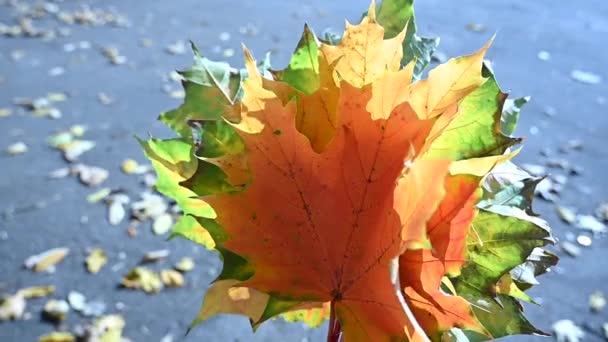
334, 334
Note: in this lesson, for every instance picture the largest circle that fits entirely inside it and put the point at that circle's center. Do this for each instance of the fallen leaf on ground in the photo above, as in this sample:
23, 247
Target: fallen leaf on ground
90, 175
228, 52
162, 224
116, 209
105, 329
76, 148
99, 195
547, 190
597, 301
37, 291
590, 223
585, 77
56, 71
144, 279
570, 248
60, 173
67, 142
4, 112
566, 331
42, 106
94, 309
155, 256
16, 148
566, 214
172, 278
169, 338
544, 55
77, 300
56, 97
602, 211
12, 307
58, 336
474, 27
113, 55
56, 310
46, 260
96, 260
129, 166
150, 206
176, 48
77, 130
573, 145
185, 265
584, 240
105, 99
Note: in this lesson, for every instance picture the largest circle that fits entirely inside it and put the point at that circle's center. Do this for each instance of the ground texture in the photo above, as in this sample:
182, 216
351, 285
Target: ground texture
39, 213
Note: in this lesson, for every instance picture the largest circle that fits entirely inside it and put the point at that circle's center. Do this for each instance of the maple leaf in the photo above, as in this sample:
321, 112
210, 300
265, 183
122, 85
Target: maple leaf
394, 16
337, 188
363, 55
339, 201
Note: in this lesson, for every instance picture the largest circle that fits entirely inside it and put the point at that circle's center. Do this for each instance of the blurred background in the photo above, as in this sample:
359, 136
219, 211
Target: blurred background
78, 79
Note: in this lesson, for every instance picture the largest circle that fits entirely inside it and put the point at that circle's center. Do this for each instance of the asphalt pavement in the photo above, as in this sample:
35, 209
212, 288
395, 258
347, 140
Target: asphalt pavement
38, 213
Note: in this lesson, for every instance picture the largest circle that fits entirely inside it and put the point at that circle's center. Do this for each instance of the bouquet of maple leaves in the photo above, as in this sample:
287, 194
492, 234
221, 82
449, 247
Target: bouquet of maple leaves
345, 187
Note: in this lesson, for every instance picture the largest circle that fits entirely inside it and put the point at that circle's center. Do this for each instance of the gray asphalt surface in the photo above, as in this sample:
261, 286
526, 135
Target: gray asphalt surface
40, 213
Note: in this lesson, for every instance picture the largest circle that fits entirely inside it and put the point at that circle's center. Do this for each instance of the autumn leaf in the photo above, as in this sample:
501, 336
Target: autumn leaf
394, 16
188, 227
174, 162
286, 193
363, 54
96, 260
211, 87
448, 84
511, 186
302, 73
312, 314
475, 130
422, 271
499, 241
344, 187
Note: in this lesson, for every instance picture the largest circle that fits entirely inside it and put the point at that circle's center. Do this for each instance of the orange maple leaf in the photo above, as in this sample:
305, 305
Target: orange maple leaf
323, 227
421, 271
